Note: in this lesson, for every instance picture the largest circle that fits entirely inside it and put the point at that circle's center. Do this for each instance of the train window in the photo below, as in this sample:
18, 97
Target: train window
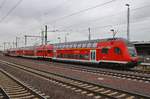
65, 55
117, 50
56, 46
74, 45
83, 45
49, 51
76, 56
63, 46
105, 50
81, 56
79, 45
67, 46
60, 46
71, 45
86, 56
40, 51
68, 55
132, 51
89, 45
61, 55
94, 44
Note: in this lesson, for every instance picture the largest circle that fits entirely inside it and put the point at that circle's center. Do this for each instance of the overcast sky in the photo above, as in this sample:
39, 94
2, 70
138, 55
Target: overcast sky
73, 17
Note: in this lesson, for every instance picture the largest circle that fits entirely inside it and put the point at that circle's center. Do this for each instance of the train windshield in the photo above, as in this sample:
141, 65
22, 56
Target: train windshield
132, 51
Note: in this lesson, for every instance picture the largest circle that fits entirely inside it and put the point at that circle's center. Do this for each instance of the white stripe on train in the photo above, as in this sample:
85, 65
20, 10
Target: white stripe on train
84, 61
91, 61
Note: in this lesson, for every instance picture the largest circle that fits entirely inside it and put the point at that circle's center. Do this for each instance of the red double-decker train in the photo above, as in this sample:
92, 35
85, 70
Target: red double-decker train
106, 52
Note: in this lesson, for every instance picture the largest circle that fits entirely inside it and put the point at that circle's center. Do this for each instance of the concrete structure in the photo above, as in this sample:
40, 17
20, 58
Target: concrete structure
143, 48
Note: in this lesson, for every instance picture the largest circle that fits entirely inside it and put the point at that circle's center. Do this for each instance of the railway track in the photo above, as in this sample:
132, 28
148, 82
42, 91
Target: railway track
129, 75
12, 88
134, 75
3, 95
83, 87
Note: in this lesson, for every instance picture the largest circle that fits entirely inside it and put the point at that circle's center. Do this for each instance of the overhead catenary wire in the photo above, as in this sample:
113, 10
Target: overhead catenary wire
84, 10
98, 27
107, 16
3, 2
10, 11
80, 11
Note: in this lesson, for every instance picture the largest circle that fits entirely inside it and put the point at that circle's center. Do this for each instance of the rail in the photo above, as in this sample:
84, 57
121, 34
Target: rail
3, 94
79, 85
145, 66
14, 88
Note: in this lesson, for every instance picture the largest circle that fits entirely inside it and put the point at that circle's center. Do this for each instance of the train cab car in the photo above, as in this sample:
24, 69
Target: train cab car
6, 53
49, 51
40, 53
29, 51
115, 52
12, 51
19, 52
44, 51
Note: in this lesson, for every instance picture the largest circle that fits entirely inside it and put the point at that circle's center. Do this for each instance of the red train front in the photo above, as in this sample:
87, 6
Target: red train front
115, 52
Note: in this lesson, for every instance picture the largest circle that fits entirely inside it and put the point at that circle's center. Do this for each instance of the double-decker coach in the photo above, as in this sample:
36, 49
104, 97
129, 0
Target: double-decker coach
116, 51
44, 51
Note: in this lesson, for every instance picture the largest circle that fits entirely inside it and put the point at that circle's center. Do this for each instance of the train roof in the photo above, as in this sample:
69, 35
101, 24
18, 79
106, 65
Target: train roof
48, 46
86, 43
92, 41
23, 48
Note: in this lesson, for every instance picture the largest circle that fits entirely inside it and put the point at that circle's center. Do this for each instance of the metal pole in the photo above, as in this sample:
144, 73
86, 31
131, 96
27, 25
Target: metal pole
65, 38
9, 45
25, 40
128, 22
16, 42
42, 37
4, 45
59, 39
89, 33
113, 31
45, 34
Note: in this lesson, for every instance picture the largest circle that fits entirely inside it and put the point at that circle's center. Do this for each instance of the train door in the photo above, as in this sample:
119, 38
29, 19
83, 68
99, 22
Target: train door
54, 53
93, 55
